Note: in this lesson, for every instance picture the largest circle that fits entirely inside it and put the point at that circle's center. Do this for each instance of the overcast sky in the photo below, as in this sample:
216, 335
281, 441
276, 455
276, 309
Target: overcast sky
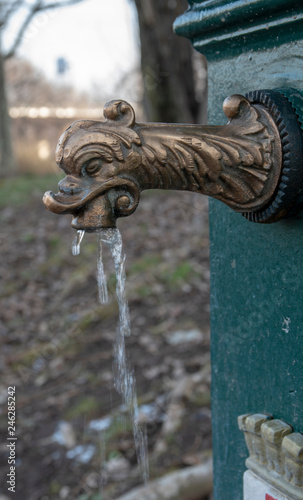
98, 39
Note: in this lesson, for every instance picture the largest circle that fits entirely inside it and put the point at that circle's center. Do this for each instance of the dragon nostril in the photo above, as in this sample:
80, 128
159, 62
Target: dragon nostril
69, 185
69, 188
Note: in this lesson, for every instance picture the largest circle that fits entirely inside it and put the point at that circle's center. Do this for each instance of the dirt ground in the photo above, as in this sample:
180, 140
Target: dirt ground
74, 438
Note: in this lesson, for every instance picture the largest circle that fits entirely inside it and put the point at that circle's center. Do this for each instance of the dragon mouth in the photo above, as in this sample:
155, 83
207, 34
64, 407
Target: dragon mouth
98, 207
63, 203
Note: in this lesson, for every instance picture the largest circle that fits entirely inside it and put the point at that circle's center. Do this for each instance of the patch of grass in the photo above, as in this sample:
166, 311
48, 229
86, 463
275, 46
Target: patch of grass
54, 487
27, 357
200, 399
16, 191
145, 263
182, 273
170, 439
144, 291
94, 496
119, 426
9, 288
86, 321
146, 398
87, 406
114, 454
89, 248
29, 237
99, 313
154, 265
54, 241
106, 311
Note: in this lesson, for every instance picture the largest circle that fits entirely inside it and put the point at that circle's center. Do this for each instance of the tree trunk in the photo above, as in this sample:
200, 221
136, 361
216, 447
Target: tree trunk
167, 63
7, 160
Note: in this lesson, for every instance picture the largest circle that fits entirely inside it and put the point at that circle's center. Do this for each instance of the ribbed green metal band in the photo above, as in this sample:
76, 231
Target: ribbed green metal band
295, 97
284, 105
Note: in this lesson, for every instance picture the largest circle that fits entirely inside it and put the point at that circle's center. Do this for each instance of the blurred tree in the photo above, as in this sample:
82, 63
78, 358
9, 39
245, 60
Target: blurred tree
167, 63
28, 86
27, 11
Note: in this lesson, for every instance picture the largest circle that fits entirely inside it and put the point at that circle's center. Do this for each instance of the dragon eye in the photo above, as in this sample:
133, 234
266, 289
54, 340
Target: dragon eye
92, 166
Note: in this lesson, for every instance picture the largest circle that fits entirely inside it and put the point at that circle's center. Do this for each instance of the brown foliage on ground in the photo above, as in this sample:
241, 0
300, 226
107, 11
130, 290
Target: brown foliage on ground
56, 346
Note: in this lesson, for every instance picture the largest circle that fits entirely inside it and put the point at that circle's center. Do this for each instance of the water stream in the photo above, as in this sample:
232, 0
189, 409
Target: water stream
124, 376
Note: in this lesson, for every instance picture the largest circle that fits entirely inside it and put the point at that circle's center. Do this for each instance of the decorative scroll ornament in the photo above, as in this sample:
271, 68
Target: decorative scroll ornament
275, 453
109, 163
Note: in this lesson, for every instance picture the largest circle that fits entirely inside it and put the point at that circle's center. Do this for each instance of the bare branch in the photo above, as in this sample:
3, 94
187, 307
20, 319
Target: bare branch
11, 7
36, 7
39, 6
63, 3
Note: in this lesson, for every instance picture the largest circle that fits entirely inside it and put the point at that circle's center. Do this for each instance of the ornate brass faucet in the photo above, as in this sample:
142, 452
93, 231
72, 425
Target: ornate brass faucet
254, 164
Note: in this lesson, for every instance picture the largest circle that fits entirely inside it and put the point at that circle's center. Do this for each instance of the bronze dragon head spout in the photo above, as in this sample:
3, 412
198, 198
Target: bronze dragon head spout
98, 158
246, 163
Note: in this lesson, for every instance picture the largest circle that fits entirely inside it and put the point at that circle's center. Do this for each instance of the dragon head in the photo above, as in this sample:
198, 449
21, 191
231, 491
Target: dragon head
98, 159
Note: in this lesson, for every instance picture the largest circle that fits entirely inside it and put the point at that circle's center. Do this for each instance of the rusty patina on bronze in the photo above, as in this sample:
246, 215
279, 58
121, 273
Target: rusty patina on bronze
108, 163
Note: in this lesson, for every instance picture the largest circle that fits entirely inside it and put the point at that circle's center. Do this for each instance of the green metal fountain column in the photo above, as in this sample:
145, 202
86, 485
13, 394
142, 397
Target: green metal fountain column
256, 269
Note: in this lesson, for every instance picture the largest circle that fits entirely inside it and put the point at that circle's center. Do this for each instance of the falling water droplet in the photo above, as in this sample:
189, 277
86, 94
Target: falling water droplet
77, 242
101, 277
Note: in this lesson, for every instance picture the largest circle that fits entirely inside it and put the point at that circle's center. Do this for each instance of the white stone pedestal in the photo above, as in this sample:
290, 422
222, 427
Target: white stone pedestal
258, 489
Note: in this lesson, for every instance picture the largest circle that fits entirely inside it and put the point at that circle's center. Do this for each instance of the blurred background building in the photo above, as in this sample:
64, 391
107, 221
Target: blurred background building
64, 63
